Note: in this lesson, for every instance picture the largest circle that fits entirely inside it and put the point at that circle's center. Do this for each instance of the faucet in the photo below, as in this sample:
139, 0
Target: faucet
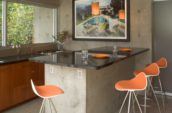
18, 47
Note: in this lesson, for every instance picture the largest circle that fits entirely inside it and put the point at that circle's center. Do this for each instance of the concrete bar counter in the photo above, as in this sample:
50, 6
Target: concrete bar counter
88, 85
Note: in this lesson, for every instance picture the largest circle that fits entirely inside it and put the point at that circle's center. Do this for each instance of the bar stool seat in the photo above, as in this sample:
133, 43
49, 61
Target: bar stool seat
136, 72
138, 83
162, 62
150, 71
48, 91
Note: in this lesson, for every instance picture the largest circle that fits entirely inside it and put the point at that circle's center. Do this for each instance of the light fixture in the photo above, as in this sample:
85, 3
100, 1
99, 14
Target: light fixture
95, 8
121, 12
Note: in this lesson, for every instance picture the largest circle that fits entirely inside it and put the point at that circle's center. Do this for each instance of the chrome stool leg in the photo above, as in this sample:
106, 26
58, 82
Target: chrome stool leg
42, 106
137, 102
145, 98
162, 92
53, 105
133, 100
131, 95
50, 106
154, 95
43, 109
145, 101
129, 102
123, 102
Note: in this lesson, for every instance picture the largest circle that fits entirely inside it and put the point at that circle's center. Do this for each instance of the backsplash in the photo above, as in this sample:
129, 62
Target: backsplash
27, 49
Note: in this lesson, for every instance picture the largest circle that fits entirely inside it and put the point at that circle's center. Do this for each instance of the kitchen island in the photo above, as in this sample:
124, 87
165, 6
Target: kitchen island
88, 84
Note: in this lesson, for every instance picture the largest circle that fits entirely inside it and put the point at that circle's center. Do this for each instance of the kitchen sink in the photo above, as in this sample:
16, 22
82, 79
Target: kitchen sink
50, 53
121, 56
1, 61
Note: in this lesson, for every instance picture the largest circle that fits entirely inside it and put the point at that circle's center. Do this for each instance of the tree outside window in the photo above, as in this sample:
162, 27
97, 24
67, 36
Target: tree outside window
27, 24
19, 24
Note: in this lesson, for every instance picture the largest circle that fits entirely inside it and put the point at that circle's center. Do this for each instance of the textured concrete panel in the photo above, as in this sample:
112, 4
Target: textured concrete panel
88, 91
73, 82
43, 25
101, 94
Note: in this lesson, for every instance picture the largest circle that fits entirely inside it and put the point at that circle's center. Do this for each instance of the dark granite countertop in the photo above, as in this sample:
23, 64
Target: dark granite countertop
23, 57
74, 58
14, 59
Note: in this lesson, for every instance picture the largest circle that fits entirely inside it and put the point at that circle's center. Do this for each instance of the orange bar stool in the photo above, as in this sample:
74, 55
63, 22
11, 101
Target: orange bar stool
151, 70
139, 83
46, 93
162, 63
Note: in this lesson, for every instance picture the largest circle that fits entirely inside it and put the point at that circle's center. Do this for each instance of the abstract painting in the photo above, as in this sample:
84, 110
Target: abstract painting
101, 20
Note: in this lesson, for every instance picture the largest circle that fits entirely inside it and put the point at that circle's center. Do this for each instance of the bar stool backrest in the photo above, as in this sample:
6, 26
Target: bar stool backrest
34, 89
162, 63
152, 69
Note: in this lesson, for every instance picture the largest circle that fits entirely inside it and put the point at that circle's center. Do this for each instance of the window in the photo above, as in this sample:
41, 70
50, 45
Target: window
0, 23
19, 24
27, 24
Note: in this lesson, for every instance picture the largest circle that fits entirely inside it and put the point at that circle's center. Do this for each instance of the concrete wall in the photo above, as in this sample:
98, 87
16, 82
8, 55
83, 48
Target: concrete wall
141, 29
102, 97
88, 90
73, 83
43, 25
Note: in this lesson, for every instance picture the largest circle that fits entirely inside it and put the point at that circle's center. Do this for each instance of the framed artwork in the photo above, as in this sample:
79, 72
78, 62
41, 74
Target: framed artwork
104, 20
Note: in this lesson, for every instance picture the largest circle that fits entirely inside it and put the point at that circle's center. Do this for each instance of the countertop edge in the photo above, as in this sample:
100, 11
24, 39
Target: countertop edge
90, 67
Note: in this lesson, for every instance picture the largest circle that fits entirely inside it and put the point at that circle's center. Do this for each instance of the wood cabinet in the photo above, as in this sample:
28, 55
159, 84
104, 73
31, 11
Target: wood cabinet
15, 86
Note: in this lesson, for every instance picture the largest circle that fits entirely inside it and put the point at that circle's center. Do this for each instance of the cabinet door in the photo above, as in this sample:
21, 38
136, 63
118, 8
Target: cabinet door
5, 87
15, 86
20, 83
35, 71
24, 72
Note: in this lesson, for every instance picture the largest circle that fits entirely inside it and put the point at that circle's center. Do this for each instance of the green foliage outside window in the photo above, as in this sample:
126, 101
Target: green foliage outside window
19, 24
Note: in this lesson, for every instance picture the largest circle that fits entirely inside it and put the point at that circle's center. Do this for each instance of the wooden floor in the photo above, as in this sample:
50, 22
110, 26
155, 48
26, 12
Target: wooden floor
34, 106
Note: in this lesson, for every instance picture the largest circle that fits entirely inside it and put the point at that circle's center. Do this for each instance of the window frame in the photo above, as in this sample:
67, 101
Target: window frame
4, 22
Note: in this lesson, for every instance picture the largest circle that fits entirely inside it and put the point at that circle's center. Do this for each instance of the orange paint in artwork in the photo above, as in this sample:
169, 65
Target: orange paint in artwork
95, 8
122, 14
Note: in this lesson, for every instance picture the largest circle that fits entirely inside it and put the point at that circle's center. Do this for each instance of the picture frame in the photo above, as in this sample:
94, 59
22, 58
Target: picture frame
101, 20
